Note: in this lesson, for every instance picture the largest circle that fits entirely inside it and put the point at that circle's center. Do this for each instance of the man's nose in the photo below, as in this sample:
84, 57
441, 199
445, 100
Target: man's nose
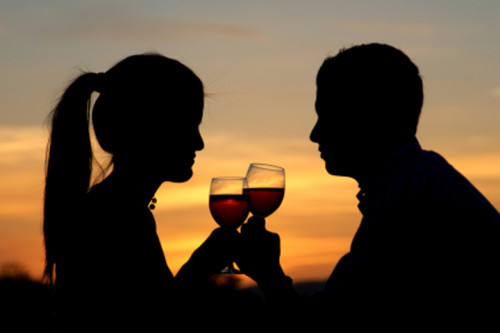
314, 136
200, 144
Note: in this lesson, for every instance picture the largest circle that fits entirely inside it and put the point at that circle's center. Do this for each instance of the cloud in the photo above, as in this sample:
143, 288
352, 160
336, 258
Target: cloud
153, 30
22, 154
478, 165
496, 91
113, 25
21, 143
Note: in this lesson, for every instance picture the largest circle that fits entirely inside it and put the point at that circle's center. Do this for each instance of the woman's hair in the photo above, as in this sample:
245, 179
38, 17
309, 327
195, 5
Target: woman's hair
128, 103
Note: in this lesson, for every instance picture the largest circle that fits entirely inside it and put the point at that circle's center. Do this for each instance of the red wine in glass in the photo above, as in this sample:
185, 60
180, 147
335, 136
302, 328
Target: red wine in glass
264, 201
266, 188
229, 210
229, 205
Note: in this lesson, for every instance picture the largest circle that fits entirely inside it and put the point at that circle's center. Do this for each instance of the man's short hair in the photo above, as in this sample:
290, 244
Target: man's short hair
378, 82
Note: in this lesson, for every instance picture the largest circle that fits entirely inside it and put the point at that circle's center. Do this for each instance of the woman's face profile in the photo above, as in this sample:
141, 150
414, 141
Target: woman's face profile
177, 155
170, 143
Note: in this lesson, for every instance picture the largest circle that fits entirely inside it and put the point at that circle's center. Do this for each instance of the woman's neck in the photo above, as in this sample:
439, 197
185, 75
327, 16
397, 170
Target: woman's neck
142, 187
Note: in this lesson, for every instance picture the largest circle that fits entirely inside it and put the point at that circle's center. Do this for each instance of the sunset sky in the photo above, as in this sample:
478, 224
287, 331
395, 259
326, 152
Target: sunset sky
258, 61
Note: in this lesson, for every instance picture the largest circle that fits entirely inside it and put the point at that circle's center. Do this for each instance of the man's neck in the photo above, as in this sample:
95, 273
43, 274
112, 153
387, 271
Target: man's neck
378, 161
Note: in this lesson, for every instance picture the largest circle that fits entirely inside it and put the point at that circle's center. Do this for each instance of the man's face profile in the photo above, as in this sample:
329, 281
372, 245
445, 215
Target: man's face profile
336, 132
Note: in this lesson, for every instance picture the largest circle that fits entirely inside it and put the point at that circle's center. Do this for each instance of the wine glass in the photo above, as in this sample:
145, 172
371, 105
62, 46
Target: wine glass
229, 205
266, 188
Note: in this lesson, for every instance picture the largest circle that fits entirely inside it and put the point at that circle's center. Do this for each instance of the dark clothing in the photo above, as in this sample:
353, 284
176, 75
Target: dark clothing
427, 250
113, 274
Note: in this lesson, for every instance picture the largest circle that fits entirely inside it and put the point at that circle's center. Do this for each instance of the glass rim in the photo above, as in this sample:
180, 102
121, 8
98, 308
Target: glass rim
229, 178
268, 166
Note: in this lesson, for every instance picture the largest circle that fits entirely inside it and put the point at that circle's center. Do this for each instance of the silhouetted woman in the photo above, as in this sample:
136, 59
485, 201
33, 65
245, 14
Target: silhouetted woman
102, 249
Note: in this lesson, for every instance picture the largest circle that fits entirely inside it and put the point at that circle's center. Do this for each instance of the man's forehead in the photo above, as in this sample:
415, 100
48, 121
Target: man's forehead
328, 97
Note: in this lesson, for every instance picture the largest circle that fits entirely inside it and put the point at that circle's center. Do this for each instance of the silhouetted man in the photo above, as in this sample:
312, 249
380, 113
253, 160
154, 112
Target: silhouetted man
427, 249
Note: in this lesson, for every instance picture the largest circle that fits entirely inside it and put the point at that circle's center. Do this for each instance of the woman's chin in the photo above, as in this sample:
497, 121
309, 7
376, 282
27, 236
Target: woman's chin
180, 177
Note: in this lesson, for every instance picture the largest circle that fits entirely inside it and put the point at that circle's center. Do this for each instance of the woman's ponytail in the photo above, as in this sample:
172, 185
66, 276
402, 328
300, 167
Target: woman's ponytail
69, 163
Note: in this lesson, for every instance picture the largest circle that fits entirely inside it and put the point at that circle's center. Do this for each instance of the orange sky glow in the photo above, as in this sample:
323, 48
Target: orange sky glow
316, 221
258, 61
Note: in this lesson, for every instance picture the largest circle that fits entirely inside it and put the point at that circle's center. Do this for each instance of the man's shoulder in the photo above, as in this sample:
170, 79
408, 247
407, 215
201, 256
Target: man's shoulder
431, 180
428, 170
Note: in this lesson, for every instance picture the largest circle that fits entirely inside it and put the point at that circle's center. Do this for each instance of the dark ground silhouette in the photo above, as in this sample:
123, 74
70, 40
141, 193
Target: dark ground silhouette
27, 304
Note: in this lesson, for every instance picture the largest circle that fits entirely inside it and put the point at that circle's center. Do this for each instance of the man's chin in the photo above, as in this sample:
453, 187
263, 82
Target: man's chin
336, 170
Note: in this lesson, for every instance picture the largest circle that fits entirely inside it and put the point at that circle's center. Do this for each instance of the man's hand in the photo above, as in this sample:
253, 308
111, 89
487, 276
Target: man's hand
258, 251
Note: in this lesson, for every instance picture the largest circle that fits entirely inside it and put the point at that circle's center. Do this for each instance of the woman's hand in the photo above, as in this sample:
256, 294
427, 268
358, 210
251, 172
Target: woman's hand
212, 256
